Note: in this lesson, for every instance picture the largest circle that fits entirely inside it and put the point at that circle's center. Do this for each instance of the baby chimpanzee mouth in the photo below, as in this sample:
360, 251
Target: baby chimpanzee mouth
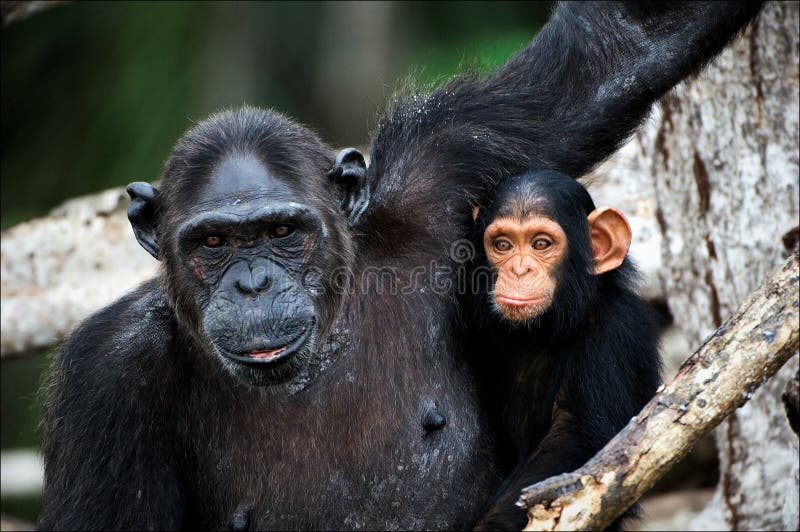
272, 356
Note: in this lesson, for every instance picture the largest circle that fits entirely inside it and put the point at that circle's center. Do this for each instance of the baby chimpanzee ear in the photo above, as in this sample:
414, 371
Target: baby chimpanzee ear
142, 214
349, 174
611, 238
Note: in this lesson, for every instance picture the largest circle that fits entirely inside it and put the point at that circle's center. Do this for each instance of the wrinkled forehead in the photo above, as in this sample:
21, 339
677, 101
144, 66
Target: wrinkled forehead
541, 193
242, 177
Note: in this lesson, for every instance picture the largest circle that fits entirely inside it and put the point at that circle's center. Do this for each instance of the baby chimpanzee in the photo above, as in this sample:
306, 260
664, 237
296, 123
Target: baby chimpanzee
571, 351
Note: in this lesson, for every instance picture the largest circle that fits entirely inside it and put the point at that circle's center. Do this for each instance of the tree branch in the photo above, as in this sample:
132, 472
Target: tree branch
58, 269
720, 377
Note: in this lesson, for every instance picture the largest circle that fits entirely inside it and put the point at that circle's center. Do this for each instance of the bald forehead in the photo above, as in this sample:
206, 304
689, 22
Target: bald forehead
243, 175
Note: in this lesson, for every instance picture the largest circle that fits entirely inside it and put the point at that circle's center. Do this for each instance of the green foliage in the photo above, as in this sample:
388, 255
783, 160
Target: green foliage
88, 102
21, 401
480, 54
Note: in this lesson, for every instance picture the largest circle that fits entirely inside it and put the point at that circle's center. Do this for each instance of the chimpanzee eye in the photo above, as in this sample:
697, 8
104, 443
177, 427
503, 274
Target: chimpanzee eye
502, 245
281, 231
213, 241
541, 243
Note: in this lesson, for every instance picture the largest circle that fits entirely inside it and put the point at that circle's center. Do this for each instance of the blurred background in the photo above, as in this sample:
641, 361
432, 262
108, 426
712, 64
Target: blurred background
94, 94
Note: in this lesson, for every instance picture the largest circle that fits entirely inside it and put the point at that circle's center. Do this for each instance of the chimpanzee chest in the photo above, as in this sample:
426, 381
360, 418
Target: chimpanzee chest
348, 452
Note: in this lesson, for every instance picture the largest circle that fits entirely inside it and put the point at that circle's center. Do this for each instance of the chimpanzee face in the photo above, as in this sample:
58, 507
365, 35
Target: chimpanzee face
545, 240
249, 260
525, 255
247, 253
252, 225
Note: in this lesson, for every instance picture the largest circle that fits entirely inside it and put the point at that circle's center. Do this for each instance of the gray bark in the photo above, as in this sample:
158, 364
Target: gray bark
56, 270
723, 154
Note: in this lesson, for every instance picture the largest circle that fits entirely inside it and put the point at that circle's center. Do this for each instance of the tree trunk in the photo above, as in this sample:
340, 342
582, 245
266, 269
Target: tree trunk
723, 154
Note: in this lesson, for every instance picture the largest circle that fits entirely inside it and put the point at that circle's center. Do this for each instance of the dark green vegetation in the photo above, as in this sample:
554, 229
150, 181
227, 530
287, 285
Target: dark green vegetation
94, 94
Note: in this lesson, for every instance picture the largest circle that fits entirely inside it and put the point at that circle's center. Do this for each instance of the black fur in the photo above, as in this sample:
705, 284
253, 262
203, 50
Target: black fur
571, 379
145, 409
146, 429
568, 381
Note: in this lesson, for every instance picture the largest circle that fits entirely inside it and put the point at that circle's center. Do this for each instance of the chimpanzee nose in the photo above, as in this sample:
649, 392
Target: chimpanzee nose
521, 266
253, 280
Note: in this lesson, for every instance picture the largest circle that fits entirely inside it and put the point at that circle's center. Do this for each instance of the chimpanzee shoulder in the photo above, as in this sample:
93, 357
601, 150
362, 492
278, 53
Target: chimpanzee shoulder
136, 329
112, 385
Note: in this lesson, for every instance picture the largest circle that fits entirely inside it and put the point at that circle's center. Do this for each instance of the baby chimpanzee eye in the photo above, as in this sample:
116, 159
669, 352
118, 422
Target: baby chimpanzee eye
541, 243
502, 245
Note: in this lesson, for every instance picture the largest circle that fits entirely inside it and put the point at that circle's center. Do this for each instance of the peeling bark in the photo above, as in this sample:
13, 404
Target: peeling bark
722, 151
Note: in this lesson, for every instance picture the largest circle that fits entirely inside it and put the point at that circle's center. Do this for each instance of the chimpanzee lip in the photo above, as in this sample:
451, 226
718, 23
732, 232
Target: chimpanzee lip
275, 356
517, 302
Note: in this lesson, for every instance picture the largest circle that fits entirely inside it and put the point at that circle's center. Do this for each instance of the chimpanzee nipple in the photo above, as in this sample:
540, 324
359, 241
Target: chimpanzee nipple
433, 420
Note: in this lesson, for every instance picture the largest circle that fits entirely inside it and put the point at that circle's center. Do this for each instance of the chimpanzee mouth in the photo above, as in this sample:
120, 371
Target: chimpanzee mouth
272, 356
518, 302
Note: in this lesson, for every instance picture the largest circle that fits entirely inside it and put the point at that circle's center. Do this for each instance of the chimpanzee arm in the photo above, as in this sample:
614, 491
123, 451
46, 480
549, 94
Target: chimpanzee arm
592, 73
110, 452
565, 102
611, 369
567, 446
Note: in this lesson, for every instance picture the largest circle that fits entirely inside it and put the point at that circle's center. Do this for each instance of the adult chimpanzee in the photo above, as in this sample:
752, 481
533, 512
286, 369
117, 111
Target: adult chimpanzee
571, 349
372, 419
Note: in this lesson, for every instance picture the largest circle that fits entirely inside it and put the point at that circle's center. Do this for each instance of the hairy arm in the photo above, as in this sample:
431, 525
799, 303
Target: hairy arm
592, 73
566, 447
565, 102
110, 458
610, 373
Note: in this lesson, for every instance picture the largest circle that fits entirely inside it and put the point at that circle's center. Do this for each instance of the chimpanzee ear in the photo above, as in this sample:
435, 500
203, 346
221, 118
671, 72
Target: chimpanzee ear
349, 175
142, 214
611, 238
